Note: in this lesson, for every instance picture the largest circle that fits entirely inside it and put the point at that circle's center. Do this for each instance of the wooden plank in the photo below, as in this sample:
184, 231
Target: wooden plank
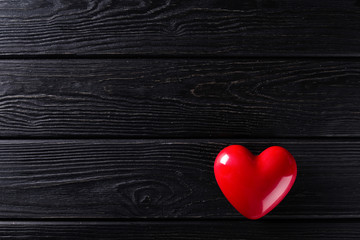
268, 230
163, 179
163, 27
201, 98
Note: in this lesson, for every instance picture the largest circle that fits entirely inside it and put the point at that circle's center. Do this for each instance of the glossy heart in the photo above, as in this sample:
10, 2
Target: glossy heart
254, 185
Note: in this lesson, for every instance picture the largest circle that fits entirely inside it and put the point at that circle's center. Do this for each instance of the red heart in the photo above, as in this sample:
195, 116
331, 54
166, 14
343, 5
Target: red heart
254, 185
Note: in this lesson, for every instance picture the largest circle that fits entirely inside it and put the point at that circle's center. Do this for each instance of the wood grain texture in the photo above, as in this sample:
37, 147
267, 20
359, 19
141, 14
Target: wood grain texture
163, 179
173, 27
269, 230
203, 98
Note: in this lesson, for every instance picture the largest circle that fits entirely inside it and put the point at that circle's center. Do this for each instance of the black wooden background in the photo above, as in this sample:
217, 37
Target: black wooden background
112, 113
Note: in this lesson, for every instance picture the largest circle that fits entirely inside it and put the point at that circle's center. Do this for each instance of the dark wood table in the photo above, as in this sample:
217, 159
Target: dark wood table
112, 113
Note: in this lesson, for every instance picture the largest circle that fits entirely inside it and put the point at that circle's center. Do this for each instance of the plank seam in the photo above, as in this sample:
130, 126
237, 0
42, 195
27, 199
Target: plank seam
170, 56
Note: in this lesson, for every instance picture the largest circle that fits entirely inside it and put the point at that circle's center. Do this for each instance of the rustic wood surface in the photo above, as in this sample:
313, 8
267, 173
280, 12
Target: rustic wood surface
247, 230
178, 27
112, 113
179, 98
164, 179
